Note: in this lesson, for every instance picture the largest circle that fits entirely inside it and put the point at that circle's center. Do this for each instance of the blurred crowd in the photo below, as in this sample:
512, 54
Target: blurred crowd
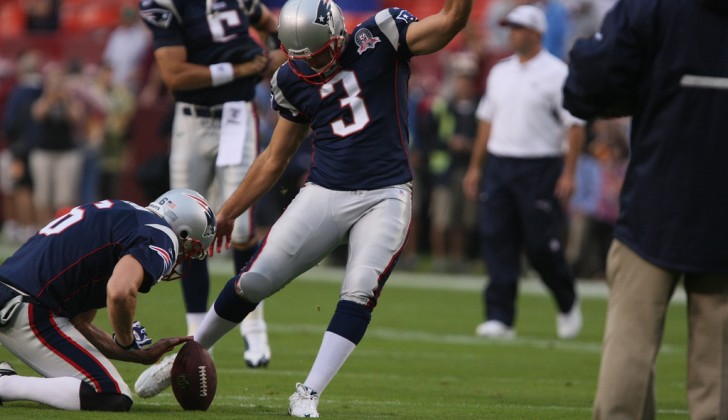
67, 133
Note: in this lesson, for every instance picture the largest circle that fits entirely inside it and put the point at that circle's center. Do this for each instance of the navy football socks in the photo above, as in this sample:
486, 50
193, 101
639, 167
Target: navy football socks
230, 306
195, 285
350, 320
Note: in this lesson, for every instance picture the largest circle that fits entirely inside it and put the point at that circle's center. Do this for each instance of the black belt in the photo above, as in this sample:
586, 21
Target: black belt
202, 111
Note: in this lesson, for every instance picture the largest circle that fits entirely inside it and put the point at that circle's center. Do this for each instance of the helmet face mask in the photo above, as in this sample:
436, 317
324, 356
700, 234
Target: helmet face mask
309, 30
192, 221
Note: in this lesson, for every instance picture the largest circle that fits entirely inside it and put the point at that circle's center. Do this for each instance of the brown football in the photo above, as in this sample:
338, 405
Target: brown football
194, 379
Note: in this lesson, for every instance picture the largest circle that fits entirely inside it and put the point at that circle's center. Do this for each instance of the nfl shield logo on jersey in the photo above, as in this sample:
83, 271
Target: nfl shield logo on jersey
365, 40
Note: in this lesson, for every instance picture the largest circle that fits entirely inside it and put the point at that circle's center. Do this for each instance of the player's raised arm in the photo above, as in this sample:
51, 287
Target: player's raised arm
434, 32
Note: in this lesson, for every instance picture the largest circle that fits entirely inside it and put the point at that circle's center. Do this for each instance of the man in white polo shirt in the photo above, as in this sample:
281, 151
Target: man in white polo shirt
531, 144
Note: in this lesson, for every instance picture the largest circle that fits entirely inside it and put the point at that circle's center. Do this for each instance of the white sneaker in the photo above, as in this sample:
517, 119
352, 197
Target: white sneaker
303, 402
569, 325
496, 330
6, 369
257, 350
155, 378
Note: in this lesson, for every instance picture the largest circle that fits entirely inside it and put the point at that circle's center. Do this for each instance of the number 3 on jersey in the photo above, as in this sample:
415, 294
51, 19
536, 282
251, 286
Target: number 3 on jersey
352, 100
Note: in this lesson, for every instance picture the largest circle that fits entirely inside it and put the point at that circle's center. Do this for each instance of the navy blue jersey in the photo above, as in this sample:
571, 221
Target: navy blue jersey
359, 117
658, 63
68, 263
217, 35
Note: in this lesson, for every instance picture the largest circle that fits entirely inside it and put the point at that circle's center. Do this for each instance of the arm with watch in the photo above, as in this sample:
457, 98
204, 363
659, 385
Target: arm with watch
124, 344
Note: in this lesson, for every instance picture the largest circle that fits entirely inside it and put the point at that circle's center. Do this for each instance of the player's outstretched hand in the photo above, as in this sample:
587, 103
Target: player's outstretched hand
223, 233
155, 352
256, 66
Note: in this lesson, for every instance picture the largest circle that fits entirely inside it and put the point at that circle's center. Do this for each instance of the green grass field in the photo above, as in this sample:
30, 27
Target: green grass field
419, 359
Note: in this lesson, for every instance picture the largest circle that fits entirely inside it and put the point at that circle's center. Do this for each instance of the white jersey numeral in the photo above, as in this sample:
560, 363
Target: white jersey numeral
217, 29
71, 218
353, 101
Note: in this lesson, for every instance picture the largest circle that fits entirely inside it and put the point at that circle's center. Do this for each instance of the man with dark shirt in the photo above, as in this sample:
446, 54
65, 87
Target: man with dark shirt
666, 64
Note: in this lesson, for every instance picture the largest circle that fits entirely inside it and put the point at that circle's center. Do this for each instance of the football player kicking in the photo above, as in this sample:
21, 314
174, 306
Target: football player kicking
358, 190
97, 255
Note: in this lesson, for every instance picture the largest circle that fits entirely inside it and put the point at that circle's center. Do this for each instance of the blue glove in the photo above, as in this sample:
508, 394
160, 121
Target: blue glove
140, 337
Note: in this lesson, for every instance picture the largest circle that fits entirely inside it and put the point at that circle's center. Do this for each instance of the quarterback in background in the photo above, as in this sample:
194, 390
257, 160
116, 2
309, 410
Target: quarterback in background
351, 90
209, 61
98, 255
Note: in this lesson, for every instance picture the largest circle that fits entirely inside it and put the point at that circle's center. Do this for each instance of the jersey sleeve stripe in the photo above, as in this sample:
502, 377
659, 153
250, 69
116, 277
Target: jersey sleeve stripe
388, 27
169, 233
280, 98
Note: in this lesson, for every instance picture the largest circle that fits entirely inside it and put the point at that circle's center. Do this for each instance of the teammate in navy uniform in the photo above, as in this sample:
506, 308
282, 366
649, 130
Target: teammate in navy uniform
97, 255
211, 64
352, 91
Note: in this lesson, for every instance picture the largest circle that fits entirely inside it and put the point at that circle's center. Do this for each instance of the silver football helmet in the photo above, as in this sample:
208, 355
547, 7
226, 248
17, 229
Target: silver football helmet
191, 219
309, 28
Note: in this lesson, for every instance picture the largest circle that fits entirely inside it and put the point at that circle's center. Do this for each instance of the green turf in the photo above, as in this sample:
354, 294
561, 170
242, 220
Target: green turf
419, 359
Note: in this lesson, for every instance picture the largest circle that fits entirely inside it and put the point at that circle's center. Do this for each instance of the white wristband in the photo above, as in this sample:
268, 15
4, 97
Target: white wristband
221, 73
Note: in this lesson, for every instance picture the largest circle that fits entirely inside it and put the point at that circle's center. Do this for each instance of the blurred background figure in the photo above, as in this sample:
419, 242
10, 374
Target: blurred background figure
554, 38
594, 207
115, 104
20, 130
41, 15
128, 46
531, 144
56, 160
450, 134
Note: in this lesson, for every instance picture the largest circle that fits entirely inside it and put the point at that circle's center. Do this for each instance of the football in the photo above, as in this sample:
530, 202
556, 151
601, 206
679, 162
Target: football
194, 379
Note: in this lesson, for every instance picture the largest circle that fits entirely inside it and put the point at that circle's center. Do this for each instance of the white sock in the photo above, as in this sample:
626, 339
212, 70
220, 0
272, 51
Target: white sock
334, 351
60, 393
212, 328
254, 322
194, 319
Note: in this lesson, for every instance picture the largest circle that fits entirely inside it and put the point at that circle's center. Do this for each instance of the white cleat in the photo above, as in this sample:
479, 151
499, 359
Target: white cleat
257, 350
303, 402
155, 378
495, 330
6, 369
569, 325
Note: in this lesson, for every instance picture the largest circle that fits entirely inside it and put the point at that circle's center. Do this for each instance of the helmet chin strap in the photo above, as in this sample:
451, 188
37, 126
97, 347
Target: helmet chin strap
195, 251
335, 47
